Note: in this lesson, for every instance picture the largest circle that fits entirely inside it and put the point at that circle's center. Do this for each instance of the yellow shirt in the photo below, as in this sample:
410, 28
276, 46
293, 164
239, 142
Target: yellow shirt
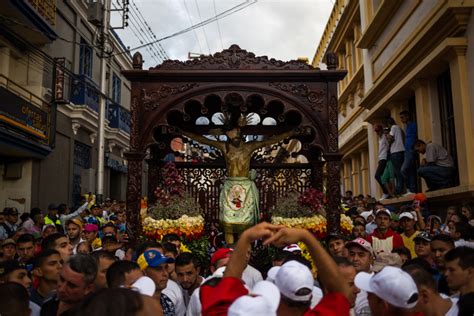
410, 243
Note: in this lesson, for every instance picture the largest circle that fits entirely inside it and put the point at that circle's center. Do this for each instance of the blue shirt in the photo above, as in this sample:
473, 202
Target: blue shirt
410, 136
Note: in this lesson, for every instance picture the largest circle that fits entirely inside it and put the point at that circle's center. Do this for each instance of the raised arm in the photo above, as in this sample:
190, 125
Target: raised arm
274, 139
203, 140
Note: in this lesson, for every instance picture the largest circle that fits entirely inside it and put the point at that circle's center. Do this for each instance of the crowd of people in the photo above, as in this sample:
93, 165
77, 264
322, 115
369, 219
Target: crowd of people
397, 262
398, 152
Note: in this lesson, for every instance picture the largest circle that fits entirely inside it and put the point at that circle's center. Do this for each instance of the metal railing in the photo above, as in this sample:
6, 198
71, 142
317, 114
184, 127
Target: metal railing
24, 93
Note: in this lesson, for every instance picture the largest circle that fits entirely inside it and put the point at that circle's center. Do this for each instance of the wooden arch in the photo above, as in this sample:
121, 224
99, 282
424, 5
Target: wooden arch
174, 93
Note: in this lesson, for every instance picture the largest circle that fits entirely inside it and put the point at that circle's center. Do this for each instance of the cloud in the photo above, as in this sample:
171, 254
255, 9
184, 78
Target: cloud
281, 29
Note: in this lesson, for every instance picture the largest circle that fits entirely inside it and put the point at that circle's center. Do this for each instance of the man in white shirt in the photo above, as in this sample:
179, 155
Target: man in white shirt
397, 153
382, 156
430, 302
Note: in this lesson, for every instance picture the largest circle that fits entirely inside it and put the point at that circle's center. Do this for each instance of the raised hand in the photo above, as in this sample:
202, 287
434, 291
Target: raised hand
286, 236
261, 231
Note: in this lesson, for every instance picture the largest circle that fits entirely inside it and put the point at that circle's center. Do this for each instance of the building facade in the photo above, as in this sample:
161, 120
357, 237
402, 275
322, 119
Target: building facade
50, 84
404, 55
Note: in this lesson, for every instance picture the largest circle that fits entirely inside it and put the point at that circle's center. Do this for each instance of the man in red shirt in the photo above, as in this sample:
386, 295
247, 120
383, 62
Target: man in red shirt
384, 239
217, 296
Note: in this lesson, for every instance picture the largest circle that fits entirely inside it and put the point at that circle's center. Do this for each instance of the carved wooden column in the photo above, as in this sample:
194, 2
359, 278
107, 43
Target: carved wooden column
134, 192
317, 175
333, 214
153, 178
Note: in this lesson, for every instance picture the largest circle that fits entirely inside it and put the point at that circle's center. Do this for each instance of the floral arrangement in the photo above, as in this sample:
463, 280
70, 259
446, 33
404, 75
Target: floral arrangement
306, 211
175, 212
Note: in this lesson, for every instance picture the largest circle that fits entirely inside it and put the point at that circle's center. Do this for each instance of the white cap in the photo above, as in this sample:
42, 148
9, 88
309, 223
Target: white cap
366, 214
391, 284
263, 300
271, 274
361, 243
219, 273
144, 285
407, 215
383, 210
293, 277
292, 248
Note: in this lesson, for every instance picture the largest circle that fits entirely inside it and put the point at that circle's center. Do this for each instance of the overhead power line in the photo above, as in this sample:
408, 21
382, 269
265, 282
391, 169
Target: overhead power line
203, 28
191, 25
217, 22
221, 15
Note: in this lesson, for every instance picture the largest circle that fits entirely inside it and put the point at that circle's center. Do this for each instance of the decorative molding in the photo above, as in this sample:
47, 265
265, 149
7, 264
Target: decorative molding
152, 101
111, 146
317, 99
233, 58
75, 127
92, 137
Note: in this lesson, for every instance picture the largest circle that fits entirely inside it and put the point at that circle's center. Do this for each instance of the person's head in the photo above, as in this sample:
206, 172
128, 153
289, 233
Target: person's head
109, 228
335, 245
169, 250
14, 299
104, 260
420, 146
121, 216
74, 229
118, 302
361, 254
358, 230
460, 230
90, 232
48, 230
53, 211
11, 215
38, 219
13, 271
96, 210
407, 222
348, 272
108, 202
378, 129
58, 242
187, 270
154, 264
389, 291
149, 245
8, 249
459, 267
440, 245
84, 247
48, 266
466, 210
427, 288
279, 257
25, 247
382, 219
123, 273
173, 239
450, 211
423, 245
295, 282
234, 136
404, 117
404, 253
220, 258
77, 279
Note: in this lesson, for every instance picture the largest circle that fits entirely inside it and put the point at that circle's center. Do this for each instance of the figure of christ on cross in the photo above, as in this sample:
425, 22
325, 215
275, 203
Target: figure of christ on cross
238, 216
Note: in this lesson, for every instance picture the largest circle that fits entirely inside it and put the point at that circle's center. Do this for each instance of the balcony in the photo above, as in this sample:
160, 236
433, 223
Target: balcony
85, 92
118, 117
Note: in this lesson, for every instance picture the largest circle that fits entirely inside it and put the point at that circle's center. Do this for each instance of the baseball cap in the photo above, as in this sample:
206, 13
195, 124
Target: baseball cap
423, 236
91, 228
144, 285
152, 259
385, 259
76, 221
292, 278
271, 274
8, 241
392, 284
292, 248
366, 214
95, 206
9, 266
220, 253
262, 300
406, 215
420, 197
383, 210
361, 243
10, 211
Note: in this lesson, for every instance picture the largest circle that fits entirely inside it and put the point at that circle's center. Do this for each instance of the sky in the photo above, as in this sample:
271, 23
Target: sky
281, 29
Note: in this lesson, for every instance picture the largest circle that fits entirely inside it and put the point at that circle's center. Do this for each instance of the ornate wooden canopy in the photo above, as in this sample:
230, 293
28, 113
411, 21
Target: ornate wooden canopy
186, 95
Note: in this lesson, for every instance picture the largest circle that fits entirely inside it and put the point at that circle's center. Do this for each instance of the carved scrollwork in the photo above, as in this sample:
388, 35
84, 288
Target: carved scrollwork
317, 99
232, 58
134, 189
152, 101
333, 129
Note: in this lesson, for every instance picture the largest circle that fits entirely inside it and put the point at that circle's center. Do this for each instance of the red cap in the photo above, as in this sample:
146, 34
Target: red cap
220, 253
420, 197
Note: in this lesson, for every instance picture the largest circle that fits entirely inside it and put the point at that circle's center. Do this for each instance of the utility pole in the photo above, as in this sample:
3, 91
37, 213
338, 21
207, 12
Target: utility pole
102, 107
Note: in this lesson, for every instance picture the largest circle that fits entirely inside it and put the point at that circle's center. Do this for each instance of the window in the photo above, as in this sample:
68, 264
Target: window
85, 59
446, 114
116, 88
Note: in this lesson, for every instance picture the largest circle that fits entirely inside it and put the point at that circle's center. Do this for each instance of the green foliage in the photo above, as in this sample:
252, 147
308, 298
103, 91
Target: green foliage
175, 208
199, 248
288, 206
